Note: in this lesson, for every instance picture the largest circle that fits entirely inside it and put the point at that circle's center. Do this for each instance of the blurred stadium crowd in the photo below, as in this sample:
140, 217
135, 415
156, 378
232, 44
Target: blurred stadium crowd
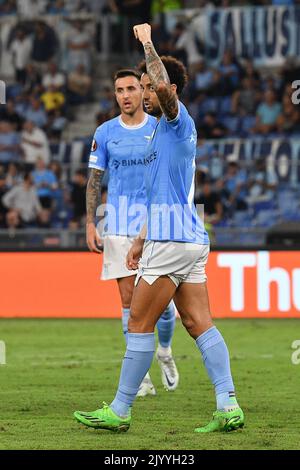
54, 77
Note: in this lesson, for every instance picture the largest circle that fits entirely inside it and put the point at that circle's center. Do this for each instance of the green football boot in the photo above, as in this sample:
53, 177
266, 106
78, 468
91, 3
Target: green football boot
225, 421
104, 418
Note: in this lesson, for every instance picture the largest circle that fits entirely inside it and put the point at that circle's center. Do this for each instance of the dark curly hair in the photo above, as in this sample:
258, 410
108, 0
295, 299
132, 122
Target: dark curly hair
175, 69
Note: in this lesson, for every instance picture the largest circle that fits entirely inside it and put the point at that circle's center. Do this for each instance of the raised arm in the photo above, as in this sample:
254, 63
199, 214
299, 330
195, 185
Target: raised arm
157, 73
93, 198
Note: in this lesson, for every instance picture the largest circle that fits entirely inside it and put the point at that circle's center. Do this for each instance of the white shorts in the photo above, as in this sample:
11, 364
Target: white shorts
116, 248
181, 262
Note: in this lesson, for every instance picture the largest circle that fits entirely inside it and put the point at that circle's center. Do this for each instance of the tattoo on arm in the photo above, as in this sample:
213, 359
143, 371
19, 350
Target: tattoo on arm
160, 81
93, 194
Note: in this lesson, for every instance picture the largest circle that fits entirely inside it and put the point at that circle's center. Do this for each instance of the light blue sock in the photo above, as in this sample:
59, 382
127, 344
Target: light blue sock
216, 360
166, 325
136, 363
125, 318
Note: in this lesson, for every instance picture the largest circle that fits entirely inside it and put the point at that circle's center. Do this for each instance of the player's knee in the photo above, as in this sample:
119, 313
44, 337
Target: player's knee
191, 326
196, 326
126, 296
140, 323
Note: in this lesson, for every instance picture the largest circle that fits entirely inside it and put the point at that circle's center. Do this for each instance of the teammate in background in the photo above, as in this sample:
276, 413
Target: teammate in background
173, 261
120, 145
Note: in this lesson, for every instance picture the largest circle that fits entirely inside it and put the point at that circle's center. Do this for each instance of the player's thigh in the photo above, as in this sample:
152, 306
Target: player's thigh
126, 286
192, 304
148, 303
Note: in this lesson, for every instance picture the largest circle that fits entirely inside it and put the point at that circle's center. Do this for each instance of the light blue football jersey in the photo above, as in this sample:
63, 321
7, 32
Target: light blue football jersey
122, 149
170, 182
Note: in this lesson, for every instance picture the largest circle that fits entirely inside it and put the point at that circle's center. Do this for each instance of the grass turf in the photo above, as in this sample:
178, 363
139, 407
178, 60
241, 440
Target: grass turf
57, 366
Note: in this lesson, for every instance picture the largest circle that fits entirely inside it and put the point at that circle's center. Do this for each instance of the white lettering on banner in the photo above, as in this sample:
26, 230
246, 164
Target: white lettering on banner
287, 283
265, 276
237, 262
296, 288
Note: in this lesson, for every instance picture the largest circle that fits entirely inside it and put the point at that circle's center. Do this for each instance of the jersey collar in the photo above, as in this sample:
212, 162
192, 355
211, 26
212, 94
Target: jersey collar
138, 126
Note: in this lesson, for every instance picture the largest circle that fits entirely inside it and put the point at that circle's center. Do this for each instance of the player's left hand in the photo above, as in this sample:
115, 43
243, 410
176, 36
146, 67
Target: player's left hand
142, 32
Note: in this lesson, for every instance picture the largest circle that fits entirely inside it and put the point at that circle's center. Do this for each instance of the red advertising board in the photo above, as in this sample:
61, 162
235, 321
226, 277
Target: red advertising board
241, 284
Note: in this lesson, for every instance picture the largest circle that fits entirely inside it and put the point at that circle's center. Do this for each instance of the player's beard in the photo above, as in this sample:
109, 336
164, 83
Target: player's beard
154, 111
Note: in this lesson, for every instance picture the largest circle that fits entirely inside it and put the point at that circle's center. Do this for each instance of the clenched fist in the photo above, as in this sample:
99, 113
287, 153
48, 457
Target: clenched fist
142, 32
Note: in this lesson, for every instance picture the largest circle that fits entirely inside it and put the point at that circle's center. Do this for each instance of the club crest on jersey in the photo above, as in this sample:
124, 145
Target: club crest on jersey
94, 146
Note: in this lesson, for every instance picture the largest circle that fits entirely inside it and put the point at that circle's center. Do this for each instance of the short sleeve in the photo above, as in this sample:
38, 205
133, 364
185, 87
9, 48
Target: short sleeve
99, 155
182, 124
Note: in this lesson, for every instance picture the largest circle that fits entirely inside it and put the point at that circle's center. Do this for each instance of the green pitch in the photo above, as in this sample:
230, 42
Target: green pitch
55, 367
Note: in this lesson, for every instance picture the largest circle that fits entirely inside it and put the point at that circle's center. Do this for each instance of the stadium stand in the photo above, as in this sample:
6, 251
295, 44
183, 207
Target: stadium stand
57, 61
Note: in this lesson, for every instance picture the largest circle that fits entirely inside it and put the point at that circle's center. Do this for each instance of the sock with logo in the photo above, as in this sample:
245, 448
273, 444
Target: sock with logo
166, 325
125, 318
136, 363
216, 360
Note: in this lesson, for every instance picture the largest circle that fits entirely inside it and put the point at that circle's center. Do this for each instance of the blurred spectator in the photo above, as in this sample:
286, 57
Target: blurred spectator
36, 113
23, 199
267, 114
57, 7
290, 71
248, 71
229, 72
45, 45
13, 220
3, 210
79, 47
31, 8
61, 192
56, 169
45, 183
211, 201
79, 85
184, 45
107, 99
78, 195
262, 183
161, 37
9, 143
245, 100
8, 113
211, 128
21, 105
53, 99
273, 83
233, 188
289, 119
33, 80
203, 77
21, 49
13, 176
8, 7
56, 125
34, 143
53, 77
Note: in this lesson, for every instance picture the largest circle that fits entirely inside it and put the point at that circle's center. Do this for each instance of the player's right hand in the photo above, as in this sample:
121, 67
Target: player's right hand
134, 255
92, 238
